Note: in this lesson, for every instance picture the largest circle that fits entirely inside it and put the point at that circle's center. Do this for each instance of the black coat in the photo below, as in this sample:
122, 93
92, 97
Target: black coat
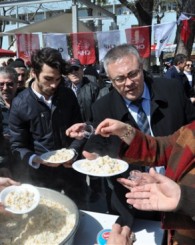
170, 109
31, 121
86, 96
172, 73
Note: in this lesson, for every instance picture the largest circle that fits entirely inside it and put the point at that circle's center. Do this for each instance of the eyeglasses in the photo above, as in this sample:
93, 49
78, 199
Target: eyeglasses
189, 65
75, 68
131, 75
9, 85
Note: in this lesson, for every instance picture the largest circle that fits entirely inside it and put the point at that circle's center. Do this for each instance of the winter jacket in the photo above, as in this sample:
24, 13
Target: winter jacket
31, 120
86, 96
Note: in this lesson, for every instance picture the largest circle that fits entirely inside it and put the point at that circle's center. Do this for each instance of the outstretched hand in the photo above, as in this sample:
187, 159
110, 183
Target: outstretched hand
161, 195
111, 127
76, 131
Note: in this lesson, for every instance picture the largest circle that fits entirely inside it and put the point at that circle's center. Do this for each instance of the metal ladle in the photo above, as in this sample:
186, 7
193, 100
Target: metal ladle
38, 143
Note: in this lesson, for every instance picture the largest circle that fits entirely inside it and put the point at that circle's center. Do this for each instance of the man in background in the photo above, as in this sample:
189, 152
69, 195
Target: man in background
85, 90
177, 72
22, 72
8, 87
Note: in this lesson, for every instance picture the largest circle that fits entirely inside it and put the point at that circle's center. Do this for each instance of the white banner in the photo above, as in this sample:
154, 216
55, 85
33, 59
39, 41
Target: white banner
57, 41
182, 17
106, 41
162, 34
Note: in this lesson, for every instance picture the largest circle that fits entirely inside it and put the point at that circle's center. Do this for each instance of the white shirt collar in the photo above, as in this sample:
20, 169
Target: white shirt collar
41, 97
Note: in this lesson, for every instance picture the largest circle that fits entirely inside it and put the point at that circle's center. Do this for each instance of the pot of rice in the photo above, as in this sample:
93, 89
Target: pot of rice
54, 221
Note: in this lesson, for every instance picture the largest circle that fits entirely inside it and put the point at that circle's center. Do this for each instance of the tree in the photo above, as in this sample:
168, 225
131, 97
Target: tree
142, 9
3, 22
188, 8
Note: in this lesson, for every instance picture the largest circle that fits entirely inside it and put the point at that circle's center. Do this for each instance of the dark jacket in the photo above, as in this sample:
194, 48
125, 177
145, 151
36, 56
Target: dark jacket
5, 152
5, 116
2, 147
31, 121
170, 109
172, 73
86, 96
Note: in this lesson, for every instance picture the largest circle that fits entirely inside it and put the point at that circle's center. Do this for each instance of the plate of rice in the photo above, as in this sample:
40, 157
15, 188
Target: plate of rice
101, 166
20, 199
58, 156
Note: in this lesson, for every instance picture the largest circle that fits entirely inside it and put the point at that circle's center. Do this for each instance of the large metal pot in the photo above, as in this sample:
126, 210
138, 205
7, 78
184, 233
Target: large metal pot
69, 204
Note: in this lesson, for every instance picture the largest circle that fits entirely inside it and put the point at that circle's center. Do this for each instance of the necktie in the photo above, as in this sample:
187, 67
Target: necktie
142, 120
143, 124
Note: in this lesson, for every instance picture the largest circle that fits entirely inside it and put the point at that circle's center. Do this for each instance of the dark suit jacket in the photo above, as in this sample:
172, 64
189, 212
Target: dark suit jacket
172, 73
170, 109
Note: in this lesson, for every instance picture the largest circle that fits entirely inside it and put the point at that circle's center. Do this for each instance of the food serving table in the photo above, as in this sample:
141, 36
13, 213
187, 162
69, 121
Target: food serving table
146, 231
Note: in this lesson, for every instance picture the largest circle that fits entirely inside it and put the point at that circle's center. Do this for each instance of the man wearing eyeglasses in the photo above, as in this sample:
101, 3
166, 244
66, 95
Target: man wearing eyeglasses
85, 90
162, 100
8, 87
189, 72
177, 72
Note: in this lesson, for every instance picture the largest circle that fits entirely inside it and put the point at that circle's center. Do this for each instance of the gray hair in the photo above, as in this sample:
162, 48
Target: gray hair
8, 71
118, 52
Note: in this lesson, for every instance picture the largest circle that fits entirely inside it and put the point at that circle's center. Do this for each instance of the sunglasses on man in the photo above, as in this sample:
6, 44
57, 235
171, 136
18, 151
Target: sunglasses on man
189, 65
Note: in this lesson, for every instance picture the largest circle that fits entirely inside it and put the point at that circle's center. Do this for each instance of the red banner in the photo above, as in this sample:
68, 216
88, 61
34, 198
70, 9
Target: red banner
185, 30
140, 38
26, 43
83, 45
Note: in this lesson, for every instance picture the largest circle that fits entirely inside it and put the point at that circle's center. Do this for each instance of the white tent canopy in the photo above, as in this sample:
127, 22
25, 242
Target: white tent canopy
58, 24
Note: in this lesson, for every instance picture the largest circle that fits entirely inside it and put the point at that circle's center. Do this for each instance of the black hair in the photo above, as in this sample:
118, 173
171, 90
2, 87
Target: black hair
49, 56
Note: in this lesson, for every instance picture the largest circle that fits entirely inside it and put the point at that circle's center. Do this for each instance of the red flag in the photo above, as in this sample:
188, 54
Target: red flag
26, 43
185, 31
83, 45
140, 38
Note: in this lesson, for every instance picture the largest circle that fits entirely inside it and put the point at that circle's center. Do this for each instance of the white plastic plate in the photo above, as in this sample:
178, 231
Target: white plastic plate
77, 165
61, 156
20, 190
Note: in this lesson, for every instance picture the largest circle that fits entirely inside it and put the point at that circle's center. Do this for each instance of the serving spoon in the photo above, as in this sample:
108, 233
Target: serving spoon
38, 143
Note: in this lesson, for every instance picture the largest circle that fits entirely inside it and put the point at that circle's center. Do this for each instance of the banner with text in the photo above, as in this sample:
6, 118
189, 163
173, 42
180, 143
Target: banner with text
83, 45
106, 41
162, 34
26, 43
57, 41
140, 38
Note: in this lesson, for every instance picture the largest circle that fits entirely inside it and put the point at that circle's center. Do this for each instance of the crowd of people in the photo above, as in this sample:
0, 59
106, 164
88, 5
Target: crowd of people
145, 120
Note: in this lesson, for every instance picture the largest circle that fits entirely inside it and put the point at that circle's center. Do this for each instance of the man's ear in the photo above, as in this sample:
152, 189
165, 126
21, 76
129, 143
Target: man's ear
33, 73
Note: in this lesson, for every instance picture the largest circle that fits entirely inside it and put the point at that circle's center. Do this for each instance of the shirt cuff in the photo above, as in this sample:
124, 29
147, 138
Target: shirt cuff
33, 164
